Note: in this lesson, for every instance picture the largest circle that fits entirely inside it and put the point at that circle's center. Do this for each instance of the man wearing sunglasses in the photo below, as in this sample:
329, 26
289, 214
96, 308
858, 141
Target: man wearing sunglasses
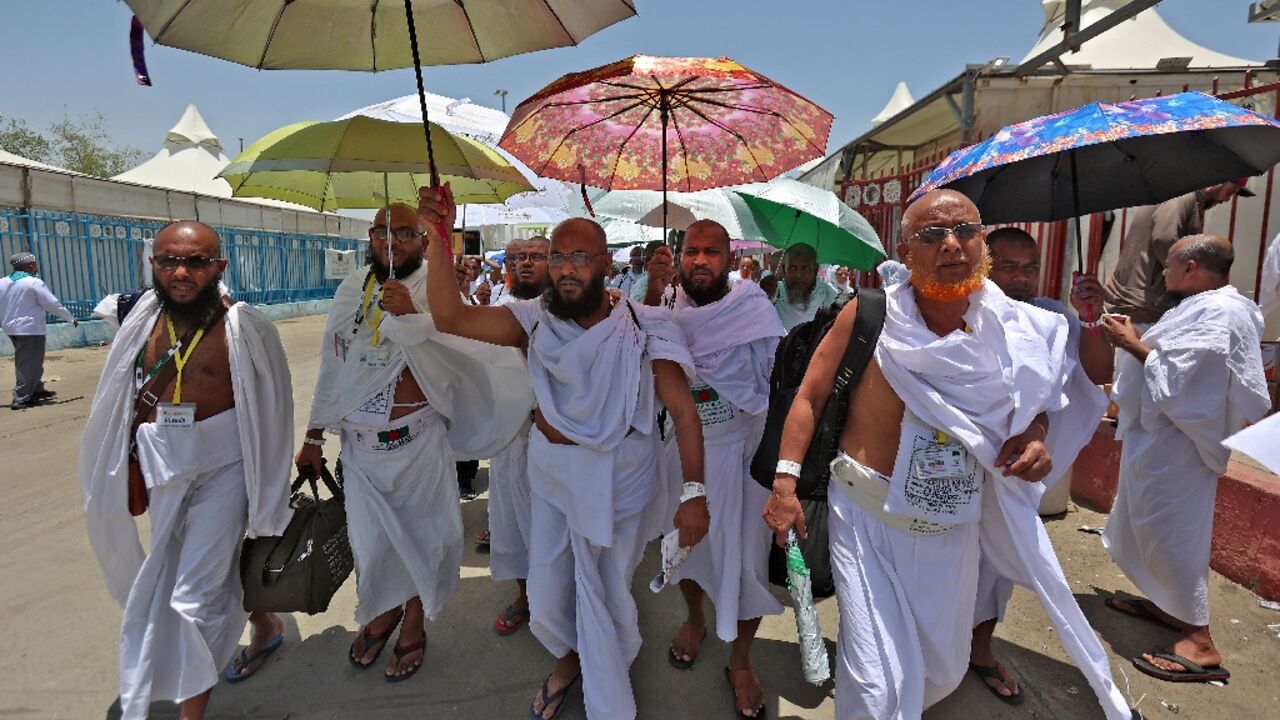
405, 401
510, 505
599, 365
206, 384
952, 426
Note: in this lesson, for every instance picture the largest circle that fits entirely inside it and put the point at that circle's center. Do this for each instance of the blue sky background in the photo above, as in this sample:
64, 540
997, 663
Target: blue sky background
72, 56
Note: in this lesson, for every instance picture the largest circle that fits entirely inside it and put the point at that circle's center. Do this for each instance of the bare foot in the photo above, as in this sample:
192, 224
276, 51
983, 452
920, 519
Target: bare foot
1195, 646
748, 696
266, 628
373, 637
407, 657
556, 687
686, 644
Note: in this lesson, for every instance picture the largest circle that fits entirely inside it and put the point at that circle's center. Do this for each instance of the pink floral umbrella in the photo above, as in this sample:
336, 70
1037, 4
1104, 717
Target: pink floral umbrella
650, 123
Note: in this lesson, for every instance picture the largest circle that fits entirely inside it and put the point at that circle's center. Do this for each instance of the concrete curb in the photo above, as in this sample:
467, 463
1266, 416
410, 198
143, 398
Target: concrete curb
1246, 518
98, 332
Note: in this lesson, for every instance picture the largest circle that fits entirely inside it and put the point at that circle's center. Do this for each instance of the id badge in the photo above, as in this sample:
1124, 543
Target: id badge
375, 357
940, 460
180, 416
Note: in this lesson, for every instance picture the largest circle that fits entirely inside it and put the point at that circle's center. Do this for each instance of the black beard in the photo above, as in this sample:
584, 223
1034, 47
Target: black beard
403, 270
527, 291
590, 300
195, 313
705, 295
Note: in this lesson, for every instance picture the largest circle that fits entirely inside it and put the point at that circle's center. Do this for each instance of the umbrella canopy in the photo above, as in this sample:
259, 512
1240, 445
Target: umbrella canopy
682, 209
371, 36
649, 123
364, 163
791, 212
1104, 156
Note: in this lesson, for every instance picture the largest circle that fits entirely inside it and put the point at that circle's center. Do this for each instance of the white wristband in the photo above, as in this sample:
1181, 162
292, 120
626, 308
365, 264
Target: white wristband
789, 467
318, 442
693, 490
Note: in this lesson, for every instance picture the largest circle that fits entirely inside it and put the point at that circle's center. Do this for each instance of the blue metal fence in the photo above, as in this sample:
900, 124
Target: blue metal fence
86, 257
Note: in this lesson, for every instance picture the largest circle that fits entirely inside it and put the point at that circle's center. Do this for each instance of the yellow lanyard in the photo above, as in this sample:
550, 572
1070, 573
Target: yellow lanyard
178, 358
376, 320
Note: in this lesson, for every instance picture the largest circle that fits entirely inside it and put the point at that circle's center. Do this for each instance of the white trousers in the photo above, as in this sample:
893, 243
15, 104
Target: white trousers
184, 615
403, 516
510, 511
580, 592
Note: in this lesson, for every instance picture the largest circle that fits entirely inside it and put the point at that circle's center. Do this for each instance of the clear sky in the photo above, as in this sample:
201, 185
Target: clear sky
847, 55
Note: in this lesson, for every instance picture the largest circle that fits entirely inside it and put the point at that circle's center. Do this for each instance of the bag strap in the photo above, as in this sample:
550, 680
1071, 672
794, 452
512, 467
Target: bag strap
325, 476
867, 324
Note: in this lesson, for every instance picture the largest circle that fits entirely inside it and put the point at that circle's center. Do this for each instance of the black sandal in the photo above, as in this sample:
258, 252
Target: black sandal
1190, 672
555, 697
380, 639
1137, 609
996, 672
400, 652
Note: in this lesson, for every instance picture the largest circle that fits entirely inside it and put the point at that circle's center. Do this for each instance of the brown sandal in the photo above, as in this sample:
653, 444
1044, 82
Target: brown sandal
733, 687
675, 660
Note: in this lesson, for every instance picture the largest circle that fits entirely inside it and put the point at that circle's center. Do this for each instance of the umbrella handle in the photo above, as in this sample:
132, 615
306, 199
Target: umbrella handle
422, 92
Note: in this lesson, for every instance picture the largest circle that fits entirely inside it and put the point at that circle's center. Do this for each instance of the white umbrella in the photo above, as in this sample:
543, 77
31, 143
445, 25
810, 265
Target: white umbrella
645, 207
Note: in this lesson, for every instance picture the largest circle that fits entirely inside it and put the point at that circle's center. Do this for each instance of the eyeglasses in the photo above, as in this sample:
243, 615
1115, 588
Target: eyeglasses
521, 257
194, 263
579, 259
403, 234
936, 234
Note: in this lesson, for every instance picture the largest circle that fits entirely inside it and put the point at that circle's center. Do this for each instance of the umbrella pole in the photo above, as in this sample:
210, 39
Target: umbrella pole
664, 108
386, 219
1075, 199
422, 92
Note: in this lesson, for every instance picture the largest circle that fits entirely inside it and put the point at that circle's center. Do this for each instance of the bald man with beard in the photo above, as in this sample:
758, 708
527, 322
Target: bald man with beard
600, 365
950, 431
211, 456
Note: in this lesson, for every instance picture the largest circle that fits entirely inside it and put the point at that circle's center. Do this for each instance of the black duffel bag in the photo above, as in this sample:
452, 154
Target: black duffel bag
301, 570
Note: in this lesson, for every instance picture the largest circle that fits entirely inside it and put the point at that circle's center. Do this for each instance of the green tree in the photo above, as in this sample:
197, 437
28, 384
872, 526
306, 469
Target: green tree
83, 145
19, 139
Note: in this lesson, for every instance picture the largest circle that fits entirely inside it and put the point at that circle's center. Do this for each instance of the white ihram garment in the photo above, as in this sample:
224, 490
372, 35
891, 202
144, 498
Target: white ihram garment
510, 510
596, 387
402, 497
1202, 382
903, 637
732, 342
208, 485
792, 315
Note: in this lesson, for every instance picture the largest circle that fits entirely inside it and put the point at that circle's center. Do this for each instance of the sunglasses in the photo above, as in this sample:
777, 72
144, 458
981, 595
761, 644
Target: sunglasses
402, 234
936, 234
194, 263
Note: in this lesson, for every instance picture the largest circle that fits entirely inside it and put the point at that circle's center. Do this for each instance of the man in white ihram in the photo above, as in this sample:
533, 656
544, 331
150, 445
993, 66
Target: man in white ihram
1194, 378
597, 362
405, 398
214, 454
949, 430
733, 332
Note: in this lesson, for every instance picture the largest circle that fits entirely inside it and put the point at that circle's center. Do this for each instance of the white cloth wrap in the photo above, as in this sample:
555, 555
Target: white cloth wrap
580, 590
1202, 382
478, 388
791, 315
403, 517
510, 509
1269, 288
982, 388
183, 616
263, 394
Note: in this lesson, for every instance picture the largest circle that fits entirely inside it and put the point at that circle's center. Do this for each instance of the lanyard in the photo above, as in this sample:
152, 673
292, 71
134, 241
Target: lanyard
142, 380
362, 317
178, 357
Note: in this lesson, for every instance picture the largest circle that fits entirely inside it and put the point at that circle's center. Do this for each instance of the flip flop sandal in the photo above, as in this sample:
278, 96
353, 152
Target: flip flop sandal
369, 638
1137, 609
482, 538
547, 699
1191, 672
733, 689
400, 652
230, 674
677, 662
511, 620
996, 672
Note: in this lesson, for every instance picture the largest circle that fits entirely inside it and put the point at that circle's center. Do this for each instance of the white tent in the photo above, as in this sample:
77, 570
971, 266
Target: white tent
190, 160
1137, 43
8, 158
901, 100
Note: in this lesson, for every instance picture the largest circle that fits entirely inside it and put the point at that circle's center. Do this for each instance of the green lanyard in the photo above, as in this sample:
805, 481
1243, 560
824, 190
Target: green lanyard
154, 368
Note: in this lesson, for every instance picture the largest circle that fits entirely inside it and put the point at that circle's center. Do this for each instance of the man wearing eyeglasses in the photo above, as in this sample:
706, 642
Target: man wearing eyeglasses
192, 422
801, 294
405, 400
599, 365
510, 505
732, 332
960, 415
24, 300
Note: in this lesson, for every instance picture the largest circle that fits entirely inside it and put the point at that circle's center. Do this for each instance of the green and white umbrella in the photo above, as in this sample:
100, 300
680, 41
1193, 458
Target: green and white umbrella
790, 212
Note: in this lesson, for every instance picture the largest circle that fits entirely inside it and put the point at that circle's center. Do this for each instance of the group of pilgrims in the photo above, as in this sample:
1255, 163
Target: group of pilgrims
609, 423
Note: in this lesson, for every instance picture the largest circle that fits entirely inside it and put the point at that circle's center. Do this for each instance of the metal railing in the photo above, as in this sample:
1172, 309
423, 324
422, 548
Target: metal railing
83, 258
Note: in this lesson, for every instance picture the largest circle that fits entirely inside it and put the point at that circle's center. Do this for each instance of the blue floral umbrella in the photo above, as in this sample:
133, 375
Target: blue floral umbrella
1104, 156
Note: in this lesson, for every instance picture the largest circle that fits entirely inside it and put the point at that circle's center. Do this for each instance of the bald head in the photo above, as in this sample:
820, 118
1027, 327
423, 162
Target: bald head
1197, 263
711, 230
943, 243
928, 207
190, 237
402, 215
584, 234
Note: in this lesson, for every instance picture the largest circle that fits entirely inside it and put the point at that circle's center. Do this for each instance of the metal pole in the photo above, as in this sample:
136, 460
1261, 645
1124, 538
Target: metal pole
1075, 200
422, 92
664, 108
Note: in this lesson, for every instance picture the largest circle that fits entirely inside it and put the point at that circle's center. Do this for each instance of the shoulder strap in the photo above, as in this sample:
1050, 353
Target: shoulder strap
866, 332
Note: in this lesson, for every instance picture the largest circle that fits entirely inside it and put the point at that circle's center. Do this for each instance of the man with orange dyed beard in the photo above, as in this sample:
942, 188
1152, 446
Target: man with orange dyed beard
950, 431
